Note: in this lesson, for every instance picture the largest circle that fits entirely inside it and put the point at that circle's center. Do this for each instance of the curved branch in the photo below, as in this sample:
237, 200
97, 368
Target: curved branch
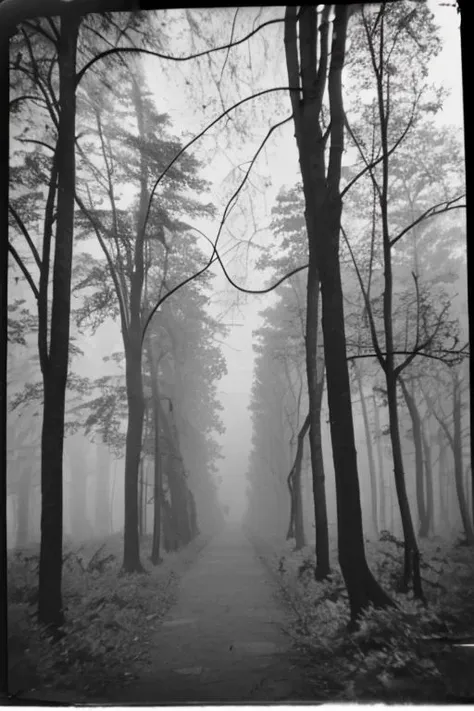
229, 279
241, 288
120, 297
23, 268
444, 206
442, 358
36, 27
39, 82
229, 45
424, 345
197, 137
45, 264
24, 97
26, 235
247, 173
39, 143
227, 209
371, 166
127, 50
368, 305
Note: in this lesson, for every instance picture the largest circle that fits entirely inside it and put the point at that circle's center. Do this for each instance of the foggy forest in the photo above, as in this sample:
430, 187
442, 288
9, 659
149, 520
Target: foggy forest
236, 352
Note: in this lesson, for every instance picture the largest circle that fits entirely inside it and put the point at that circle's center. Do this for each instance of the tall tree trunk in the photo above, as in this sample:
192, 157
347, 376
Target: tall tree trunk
295, 477
382, 490
430, 509
176, 481
157, 479
193, 515
458, 462
411, 569
412, 554
323, 220
140, 497
145, 498
170, 536
291, 524
133, 443
50, 609
455, 442
370, 453
319, 487
133, 369
182, 491
419, 469
442, 479
4, 200
319, 573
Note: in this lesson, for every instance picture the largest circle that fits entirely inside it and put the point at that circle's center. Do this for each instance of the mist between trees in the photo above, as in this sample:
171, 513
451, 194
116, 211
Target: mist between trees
166, 170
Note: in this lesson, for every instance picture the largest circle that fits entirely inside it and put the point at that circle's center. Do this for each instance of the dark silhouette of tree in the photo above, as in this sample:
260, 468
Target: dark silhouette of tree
389, 40
324, 37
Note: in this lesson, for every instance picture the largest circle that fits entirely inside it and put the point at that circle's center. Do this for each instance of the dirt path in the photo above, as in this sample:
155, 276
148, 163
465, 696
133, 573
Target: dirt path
224, 639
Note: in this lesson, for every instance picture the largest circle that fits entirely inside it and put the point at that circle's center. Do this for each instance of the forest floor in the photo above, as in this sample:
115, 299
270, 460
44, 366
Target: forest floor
403, 655
110, 619
237, 619
219, 633
226, 638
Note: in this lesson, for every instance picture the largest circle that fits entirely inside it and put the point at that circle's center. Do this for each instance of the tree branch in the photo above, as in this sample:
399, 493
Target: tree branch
368, 305
370, 166
197, 137
438, 209
24, 269
127, 50
26, 235
120, 297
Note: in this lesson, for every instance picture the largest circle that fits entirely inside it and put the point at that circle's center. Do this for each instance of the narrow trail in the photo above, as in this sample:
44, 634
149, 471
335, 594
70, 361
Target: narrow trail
224, 640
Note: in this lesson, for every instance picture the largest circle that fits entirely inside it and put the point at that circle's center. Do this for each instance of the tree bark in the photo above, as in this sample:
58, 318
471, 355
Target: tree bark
133, 444
428, 481
193, 515
311, 152
411, 569
458, 462
177, 486
382, 491
320, 571
323, 215
370, 453
140, 497
319, 488
291, 524
157, 480
295, 478
50, 609
419, 468
170, 536
133, 370
4, 201
442, 480
412, 554
455, 442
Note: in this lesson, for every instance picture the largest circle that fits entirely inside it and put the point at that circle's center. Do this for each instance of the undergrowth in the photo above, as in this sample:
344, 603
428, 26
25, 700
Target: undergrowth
110, 618
400, 654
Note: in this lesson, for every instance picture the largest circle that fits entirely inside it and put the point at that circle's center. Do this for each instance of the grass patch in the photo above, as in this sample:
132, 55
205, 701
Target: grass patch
396, 655
110, 618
